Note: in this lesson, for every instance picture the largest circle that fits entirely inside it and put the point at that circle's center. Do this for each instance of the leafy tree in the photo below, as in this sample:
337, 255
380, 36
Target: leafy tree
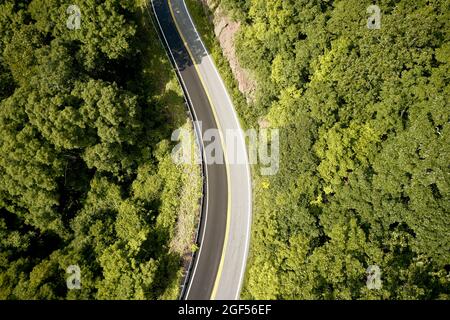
363, 177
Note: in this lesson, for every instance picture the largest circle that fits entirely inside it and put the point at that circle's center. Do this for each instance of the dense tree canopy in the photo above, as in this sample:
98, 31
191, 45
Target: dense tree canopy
85, 171
364, 177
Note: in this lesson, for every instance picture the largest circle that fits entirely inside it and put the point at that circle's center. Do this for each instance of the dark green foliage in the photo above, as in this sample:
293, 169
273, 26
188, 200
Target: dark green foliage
364, 175
79, 127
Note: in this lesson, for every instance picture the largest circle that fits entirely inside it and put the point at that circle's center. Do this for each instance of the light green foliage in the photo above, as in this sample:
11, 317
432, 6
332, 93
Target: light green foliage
364, 119
124, 277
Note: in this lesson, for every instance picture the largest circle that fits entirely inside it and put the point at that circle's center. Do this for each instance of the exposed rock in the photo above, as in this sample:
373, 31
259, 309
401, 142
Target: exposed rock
225, 30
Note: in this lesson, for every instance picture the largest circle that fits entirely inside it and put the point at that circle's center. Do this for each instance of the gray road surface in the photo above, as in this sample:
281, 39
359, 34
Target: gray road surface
219, 266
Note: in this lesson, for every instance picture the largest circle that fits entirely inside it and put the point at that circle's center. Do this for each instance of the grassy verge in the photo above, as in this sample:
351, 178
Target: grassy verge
183, 188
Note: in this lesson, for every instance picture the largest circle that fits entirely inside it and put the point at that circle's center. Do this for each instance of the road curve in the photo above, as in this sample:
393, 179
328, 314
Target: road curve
219, 265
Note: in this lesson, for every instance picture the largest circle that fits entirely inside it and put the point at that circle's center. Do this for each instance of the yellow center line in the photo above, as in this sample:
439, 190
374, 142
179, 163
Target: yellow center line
219, 271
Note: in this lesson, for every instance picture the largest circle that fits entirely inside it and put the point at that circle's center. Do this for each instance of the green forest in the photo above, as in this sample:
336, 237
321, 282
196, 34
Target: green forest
87, 178
364, 177
86, 175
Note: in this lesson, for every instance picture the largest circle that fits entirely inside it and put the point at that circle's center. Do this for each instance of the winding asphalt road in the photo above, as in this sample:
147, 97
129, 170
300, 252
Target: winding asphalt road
219, 265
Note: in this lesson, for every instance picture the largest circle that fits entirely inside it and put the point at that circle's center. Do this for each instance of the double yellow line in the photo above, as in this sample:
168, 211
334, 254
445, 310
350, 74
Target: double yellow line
219, 271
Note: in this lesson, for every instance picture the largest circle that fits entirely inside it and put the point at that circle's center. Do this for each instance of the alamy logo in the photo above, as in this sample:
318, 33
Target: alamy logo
264, 148
74, 20
374, 21
74, 280
373, 278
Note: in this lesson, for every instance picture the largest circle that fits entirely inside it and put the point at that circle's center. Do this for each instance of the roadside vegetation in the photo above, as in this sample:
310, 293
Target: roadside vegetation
86, 174
203, 22
364, 122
